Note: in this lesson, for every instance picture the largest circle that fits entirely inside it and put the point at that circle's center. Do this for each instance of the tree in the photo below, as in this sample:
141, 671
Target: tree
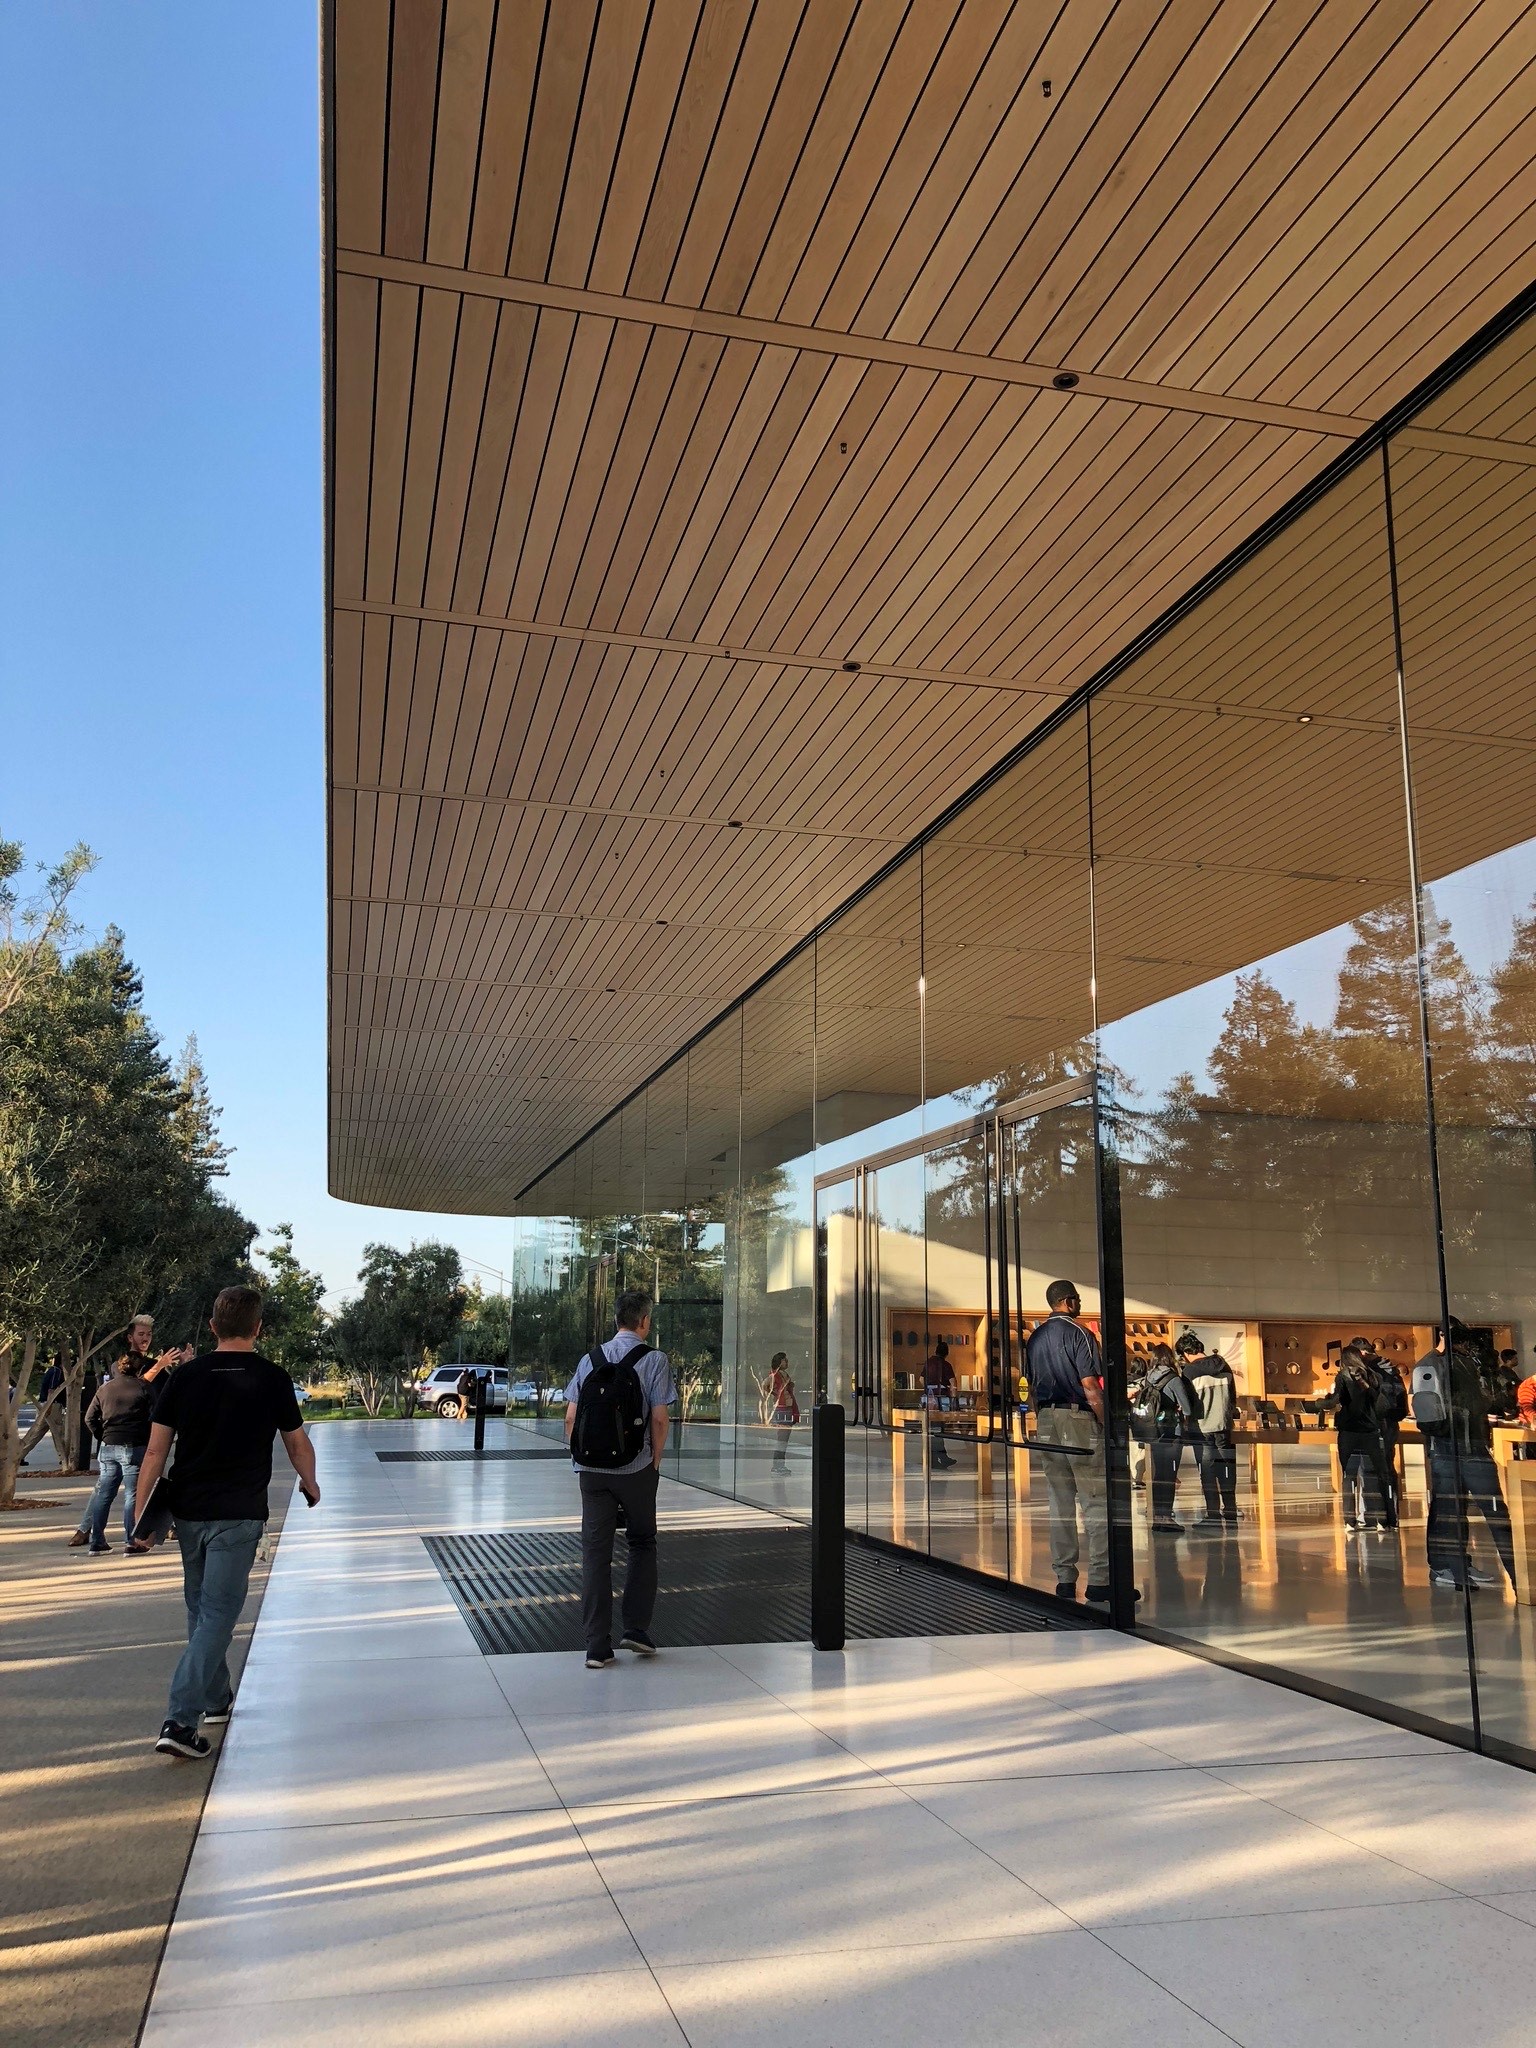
106, 1159
294, 1319
1512, 1028
35, 931
411, 1303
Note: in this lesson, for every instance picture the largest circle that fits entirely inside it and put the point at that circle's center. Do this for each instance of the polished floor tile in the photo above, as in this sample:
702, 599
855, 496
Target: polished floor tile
402, 1906
1046, 1991
275, 1773
1463, 1820
1168, 1846
547, 2012
425, 1638
556, 1682
1407, 1976
326, 1693
798, 1872
1206, 1715
934, 1740
723, 1751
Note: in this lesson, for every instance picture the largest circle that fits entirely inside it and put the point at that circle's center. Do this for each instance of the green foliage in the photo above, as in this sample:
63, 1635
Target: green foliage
294, 1318
410, 1305
107, 1155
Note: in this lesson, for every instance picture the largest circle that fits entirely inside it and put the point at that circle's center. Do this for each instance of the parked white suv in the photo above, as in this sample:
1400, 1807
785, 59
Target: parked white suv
439, 1391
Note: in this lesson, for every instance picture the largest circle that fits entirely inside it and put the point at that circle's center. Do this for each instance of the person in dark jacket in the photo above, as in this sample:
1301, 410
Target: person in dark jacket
119, 1418
938, 1398
464, 1387
1459, 1460
1172, 1422
1213, 1393
1391, 1408
1356, 1389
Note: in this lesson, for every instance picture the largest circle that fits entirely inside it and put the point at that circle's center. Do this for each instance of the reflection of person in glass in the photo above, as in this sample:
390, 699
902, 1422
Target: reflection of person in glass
1172, 1418
1213, 1390
1362, 1452
1391, 1408
1065, 1370
1462, 1444
780, 1408
938, 1397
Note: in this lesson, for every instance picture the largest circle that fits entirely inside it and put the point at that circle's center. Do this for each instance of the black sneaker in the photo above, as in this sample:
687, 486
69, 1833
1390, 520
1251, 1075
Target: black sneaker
219, 1718
100, 1550
1168, 1528
1099, 1595
1067, 1590
599, 1660
178, 1740
637, 1640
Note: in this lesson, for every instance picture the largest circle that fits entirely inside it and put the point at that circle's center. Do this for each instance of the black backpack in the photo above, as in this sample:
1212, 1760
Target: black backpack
613, 1416
1391, 1394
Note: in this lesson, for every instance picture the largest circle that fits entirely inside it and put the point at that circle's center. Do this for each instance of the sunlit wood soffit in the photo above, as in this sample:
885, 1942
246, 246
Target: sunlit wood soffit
706, 510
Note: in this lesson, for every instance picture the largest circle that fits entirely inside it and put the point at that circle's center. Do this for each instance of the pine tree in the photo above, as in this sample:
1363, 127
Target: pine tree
1512, 1028
195, 1118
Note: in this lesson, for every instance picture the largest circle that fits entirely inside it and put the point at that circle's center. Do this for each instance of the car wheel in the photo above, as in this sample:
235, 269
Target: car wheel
449, 1405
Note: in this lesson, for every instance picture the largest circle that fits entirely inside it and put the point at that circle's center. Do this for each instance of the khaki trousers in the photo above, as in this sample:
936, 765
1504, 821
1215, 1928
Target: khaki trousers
1069, 1481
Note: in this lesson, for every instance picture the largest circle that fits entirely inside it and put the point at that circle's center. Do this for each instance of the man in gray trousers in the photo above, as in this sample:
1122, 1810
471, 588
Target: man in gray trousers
629, 1490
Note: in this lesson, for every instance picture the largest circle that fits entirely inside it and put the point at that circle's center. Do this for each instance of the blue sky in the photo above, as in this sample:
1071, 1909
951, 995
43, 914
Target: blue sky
160, 545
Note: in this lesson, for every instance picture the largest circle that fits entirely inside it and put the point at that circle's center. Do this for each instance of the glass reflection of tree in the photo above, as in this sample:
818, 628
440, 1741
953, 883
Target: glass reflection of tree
1310, 1116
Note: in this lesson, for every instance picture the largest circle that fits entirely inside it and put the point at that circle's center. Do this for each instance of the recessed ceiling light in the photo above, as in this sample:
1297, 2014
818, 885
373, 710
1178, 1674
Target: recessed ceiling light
1065, 380
1305, 718
851, 668
734, 823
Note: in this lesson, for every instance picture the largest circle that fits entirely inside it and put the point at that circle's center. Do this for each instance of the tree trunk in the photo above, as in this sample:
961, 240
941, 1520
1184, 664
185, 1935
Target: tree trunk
14, 1441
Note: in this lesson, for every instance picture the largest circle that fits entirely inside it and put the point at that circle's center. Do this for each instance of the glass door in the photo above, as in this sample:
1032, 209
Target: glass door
1044, 1241
936, 1265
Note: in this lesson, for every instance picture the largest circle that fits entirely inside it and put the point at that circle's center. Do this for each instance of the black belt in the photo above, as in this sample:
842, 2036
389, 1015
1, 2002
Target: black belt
1077, 1407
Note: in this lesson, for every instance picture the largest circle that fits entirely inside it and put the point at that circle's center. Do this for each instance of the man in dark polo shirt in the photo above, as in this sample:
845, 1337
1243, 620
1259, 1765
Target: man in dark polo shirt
222, 1411
1065, 1370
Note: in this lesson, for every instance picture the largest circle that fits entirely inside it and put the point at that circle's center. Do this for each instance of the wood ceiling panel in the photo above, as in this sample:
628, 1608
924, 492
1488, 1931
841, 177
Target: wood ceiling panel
596, 562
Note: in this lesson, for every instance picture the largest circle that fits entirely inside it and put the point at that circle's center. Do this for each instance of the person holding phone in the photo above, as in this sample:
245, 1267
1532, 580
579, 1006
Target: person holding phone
221, 1411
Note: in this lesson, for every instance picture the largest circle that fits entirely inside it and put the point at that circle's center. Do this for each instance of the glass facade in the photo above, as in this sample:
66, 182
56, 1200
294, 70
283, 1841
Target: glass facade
1218, 1002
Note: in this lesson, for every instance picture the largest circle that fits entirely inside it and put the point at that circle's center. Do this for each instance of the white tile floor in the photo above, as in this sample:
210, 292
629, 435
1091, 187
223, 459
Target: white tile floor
1071, 1841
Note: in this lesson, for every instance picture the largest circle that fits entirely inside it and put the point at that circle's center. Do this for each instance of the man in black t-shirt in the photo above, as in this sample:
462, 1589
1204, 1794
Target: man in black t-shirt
222, 1411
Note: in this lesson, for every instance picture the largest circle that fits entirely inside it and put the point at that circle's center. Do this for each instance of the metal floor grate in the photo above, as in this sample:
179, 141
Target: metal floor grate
521, 1590
467, 1457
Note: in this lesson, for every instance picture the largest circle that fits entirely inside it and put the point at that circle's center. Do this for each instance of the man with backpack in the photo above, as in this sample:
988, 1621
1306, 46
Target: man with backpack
1450, 1407
1213, 1391
1362, 1454
617, 1412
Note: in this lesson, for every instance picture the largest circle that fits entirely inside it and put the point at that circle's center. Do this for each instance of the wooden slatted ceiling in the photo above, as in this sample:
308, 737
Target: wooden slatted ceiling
684, 351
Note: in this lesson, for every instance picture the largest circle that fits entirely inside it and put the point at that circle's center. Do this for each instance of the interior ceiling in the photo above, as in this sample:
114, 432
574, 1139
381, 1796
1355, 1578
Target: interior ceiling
684, 353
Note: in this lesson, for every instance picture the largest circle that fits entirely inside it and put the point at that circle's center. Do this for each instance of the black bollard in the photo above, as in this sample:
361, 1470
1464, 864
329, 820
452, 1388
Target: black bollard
481, 1382
828, 1580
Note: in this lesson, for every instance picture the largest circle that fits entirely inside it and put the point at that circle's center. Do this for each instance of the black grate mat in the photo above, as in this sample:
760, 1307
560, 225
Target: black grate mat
468, 1457
521, 1590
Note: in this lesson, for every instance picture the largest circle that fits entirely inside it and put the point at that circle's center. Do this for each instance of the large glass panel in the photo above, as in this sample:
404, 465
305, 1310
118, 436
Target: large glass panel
1465, 529
839, 1327
1008, 1013
869, 1091
1262, 1069
705, 1445
775, 1243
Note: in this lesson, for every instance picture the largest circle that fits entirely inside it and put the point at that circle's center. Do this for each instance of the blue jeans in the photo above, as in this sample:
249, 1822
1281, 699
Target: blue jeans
118, 1465
216, 1560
